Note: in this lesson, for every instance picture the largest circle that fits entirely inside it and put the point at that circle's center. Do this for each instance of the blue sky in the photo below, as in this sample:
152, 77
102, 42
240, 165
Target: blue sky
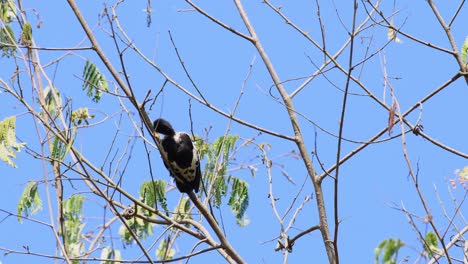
371, 182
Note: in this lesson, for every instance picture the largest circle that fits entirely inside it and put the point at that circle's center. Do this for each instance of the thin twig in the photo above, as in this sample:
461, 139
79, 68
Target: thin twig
340, 133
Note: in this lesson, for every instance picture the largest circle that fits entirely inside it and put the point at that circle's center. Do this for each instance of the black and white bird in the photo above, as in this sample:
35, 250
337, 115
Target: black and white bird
180, 156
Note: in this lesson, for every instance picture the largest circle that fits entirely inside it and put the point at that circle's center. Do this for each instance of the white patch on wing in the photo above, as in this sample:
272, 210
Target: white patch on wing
178, 136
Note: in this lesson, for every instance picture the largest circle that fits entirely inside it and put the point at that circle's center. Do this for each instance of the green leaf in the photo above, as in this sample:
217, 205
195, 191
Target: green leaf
217, 163
7, 36
73, 207
94, 81
239, 200
182, 210
110, 254
431, 244
76, 250
464, 173
218, 156
150, 193
378, 250
53, 101
81, 115
464, 50
29, 202
59, 149
163, 253
73, 224
8, 144
141, 228
224, 144
431, 239
7, 10
219, 189
153, 193
26, 35
389, 248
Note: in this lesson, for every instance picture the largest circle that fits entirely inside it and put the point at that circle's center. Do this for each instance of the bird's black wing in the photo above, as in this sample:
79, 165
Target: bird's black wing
183, 162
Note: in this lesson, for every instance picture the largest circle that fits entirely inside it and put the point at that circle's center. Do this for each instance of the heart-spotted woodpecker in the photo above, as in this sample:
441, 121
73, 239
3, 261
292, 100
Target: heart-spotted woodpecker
180, 156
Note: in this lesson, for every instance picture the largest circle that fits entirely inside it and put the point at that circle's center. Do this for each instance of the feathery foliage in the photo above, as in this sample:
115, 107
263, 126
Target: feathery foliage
73, 223
7, 36
389, 248
218, 156
141, 228
110, 254
53, 101
59, 149
163, 252
26, 35
7, 10
29, 202
239, 200
464, 50
182, 211
431, 244
81, 115
153, 193
8, 144
94, 81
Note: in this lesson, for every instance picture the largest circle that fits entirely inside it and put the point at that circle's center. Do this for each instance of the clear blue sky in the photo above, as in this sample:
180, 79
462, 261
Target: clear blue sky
370, 183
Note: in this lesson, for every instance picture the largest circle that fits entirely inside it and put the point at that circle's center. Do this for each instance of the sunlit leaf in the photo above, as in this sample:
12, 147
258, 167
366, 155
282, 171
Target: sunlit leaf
29, 202
239, 200
431, 244
219, 189
141, 228
26, 35
163, 253
53, 101
8, 144
81, 115
59, 149
94, 81
389, 248
7, 36
7, 10
224, 144
182, 211
73, 225
153, 193
218, 156
392, 35
110, 254
464, 173
464, 50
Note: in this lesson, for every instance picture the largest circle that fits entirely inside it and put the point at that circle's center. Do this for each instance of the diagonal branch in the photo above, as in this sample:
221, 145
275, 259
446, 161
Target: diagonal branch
297, 132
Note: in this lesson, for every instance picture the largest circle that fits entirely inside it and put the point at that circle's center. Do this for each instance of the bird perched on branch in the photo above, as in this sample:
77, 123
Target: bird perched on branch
180, 156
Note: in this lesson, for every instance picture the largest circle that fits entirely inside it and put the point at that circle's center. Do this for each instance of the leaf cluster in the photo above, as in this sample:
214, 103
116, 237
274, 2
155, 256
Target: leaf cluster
110, 254
94, 81
53, 101
73, 224
389, 249
430, 245
30, 201
7, 36
153, 193
218, 156
8, 144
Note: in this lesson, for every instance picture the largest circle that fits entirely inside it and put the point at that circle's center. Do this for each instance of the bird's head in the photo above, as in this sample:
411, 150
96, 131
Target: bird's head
164, 127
